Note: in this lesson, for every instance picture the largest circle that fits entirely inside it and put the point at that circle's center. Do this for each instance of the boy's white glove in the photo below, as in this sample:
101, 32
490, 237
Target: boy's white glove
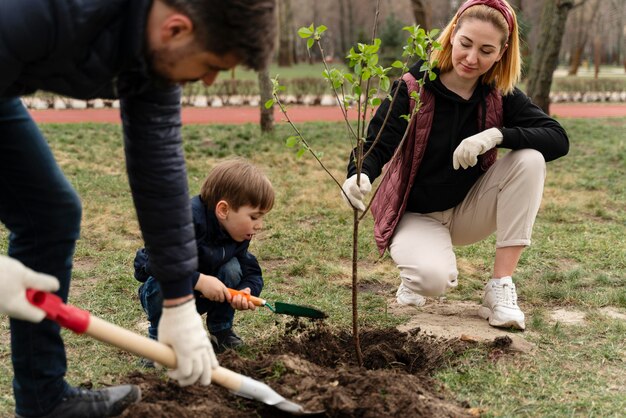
181, 328
466, 154
355, 192
15, 278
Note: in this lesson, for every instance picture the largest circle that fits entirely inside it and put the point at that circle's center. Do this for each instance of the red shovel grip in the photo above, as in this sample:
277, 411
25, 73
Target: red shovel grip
67, 316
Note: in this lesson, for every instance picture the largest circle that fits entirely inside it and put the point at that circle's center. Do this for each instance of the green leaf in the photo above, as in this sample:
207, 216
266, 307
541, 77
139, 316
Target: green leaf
321, 29
269, 103
300, 152
291, 141
397, 64
376, 101
310, 42
432, 75
305, 32
406, 117
384, 83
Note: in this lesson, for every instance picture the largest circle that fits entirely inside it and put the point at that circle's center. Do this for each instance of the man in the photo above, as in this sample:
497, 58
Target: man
137, 51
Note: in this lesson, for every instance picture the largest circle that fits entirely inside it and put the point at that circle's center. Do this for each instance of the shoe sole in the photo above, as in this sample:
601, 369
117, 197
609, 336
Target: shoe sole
417, 305
133, 397
486, 313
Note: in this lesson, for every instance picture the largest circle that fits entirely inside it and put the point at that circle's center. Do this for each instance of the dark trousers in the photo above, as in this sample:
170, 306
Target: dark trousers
220, 315
42, 213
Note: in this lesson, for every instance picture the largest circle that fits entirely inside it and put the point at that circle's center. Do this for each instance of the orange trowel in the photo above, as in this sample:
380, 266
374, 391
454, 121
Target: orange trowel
282, 308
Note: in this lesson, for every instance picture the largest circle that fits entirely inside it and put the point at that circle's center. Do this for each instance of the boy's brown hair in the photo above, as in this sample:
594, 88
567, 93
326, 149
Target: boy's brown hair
239, 183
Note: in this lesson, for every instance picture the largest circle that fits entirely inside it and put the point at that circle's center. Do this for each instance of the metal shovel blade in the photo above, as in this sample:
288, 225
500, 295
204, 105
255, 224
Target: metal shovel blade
254, 389
298, 310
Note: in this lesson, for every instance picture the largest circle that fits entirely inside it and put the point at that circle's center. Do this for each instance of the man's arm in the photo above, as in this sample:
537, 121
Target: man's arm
24, 38
158, 180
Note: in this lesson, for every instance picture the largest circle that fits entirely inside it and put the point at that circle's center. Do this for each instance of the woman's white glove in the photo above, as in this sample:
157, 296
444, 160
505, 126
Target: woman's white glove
181, 328
355, 192
466, 154
15, 278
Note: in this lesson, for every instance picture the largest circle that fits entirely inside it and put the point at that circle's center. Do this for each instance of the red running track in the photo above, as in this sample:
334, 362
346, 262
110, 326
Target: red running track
247, 114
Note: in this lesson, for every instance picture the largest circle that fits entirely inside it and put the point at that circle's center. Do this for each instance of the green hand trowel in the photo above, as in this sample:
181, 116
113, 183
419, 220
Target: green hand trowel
282, 308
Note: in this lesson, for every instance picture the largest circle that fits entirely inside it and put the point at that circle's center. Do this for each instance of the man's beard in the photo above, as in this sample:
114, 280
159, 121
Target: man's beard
161, 61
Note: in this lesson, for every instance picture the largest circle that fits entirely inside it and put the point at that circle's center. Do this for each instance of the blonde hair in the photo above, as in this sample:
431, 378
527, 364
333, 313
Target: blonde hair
505, 73
239, 183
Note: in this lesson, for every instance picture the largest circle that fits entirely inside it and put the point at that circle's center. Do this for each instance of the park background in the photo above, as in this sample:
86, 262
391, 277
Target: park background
571, 281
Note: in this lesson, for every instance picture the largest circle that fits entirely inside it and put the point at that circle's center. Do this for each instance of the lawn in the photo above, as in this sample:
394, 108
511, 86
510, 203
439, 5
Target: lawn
577, 263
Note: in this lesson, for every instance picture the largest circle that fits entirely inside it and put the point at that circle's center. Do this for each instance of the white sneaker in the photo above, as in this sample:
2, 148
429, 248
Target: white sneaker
500, 305
405, 296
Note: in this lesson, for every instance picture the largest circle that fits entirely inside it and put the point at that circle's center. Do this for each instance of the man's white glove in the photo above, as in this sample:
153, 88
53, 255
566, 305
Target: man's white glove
15, 278
466, 154
181, 328
355, 192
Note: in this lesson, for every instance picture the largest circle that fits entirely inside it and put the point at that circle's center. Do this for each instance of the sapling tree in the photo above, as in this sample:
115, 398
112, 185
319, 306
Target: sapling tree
361, 88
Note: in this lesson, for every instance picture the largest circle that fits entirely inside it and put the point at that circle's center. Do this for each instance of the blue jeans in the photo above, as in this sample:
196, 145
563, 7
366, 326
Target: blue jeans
42, 212
220, 315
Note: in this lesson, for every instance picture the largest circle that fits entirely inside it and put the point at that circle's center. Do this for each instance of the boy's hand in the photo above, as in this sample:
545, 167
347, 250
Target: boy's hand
241, 303
213, 289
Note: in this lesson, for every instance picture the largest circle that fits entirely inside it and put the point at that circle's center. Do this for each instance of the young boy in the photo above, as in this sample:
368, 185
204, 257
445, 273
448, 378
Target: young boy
226, 215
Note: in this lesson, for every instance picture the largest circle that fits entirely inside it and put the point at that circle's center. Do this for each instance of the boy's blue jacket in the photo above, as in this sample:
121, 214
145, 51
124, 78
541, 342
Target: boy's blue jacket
96, 48
215, 248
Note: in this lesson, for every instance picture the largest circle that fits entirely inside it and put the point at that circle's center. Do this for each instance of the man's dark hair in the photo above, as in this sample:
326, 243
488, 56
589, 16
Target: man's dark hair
246, 28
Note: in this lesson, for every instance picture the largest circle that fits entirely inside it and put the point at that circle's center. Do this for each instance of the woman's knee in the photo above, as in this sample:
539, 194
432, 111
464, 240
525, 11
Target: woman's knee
529, 160
430, 281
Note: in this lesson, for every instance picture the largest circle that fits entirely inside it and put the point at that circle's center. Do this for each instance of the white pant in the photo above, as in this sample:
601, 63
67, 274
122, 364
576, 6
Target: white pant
505, 199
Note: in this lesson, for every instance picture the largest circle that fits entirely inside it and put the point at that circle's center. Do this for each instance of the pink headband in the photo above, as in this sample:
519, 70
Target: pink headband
499, 5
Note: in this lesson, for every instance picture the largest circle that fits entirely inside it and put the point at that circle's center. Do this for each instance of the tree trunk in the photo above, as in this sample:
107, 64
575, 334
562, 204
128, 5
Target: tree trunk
545, 58
265, 88
575, 59
597, 56
351, 30
422, 13
342, 26
285, 41
582, 26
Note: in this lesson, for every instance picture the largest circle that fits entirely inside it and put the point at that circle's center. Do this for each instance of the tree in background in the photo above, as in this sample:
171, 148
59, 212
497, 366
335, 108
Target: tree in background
545, 58
285, 34
265, 90
580, 27
422, 12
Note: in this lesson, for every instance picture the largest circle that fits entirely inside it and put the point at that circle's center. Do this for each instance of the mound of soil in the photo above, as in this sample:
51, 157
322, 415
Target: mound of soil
316, 368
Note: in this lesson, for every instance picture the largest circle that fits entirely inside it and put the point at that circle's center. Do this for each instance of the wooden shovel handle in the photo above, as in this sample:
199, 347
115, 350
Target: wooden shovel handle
253, 299
145, 347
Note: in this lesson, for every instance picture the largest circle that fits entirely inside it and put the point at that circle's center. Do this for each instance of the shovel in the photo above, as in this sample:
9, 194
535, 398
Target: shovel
282, 308
81, 321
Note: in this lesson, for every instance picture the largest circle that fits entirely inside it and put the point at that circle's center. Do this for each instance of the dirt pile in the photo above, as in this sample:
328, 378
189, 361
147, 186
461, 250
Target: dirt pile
316, 368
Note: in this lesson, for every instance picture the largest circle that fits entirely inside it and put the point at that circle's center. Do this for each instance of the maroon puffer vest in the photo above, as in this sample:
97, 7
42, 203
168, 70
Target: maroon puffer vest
390, 201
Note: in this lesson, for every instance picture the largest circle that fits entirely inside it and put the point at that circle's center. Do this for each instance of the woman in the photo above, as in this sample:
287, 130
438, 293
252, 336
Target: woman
446, 188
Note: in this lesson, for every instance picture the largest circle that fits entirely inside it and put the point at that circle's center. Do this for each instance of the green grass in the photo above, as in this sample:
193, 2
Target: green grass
577, 262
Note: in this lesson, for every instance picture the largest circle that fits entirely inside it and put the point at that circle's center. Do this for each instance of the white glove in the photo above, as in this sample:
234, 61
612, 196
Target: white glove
15, 278
181, 328
355, 192
466, 154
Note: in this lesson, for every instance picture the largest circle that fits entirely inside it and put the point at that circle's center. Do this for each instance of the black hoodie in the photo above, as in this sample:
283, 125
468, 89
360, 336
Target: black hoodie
437, 185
